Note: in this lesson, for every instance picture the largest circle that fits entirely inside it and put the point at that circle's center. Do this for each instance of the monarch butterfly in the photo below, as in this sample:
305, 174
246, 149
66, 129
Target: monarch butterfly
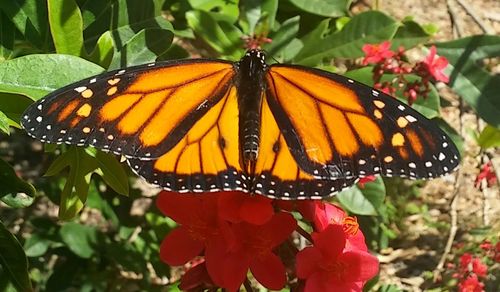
284, 131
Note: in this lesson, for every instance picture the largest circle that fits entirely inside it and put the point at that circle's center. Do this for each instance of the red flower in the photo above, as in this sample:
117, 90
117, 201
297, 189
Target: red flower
199, 223
327, 266
238, 206
245, 246
377, 53
435, 66
487, 173
326, 214
471, 284
362, 181
196, 278
479, 268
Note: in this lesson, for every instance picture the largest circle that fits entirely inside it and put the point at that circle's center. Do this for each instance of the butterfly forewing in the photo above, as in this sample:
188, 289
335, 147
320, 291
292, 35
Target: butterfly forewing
338, 128
136, 112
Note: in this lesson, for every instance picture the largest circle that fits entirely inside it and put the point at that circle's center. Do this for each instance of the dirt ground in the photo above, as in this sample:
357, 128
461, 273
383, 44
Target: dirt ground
423, 246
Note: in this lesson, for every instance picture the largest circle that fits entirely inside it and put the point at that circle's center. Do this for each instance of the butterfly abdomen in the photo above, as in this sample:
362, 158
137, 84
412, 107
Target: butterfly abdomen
251, 69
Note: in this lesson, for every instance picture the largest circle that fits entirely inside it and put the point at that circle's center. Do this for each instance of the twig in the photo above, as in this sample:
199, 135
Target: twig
453, 229
455, 27
304, 233
468, 8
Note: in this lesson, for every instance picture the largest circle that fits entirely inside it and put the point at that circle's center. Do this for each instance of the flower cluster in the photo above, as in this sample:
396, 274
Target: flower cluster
472, 270
387, 61
222, 236
487, 173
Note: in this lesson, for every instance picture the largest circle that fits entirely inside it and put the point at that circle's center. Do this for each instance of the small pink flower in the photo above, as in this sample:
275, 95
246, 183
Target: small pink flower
377, 53
435, 66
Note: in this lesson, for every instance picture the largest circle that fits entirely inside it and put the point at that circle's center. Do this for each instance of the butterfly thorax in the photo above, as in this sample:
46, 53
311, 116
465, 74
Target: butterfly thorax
251, 70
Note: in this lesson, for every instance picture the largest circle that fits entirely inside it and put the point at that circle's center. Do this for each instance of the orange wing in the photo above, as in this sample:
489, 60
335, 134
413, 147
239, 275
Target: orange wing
140, 112
337, 128
277, 172
207, 158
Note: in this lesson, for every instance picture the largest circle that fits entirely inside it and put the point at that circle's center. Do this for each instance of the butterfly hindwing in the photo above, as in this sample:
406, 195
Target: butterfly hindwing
137, 112
338, 128
207, 158
277, 172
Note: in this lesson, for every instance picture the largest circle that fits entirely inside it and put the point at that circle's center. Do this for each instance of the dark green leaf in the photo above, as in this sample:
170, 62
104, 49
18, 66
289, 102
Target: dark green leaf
80, 239
409, 35
7, 35
11, 183
37, 75
328, 8
13, 260
223, 37
366, 200
30, 18
144, 47
489, 137
113, 173
367, 27
472, 82
13, 105
66, 26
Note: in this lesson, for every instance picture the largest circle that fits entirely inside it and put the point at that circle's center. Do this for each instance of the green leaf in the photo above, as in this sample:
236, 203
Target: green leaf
409, 35
30, 18
476, 86
282, 38
103, 51
7, 35
66, 26
366, 200
457, 139
367, 27
11, 183
13, 105
489, 137
36, 245
223, 37
144, 47
74, 194
4, 123
113, 173
226, 10
37, 75
328, 8
13, 260
17, 201
80, 239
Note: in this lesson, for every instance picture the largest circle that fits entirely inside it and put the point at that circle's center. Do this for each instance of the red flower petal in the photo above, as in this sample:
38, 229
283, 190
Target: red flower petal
279, 228
229, 204
330, 241
269, 271
256, 210
196, 277
358, 266
178, 247
307, 261
326, 214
